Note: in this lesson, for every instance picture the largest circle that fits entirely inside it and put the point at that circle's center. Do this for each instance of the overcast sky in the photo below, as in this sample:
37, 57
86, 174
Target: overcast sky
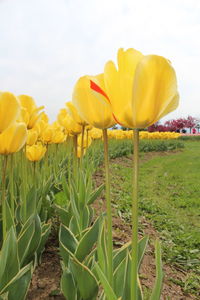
46, 45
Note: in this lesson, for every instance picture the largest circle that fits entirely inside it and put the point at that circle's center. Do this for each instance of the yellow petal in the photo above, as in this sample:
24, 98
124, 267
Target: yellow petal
28, 103
119, 84
13, 138
71, 109
92, 106
154, 90
9, 110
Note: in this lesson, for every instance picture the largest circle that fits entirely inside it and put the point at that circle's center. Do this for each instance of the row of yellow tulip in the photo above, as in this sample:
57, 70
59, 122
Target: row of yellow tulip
96, 133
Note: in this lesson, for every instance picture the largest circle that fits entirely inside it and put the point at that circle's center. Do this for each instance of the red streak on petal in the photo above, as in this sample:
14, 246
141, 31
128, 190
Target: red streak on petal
114, 117
97, 89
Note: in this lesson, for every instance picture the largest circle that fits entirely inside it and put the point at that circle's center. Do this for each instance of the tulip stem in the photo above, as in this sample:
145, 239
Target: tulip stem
134, 263
75, 158
3, 195
82, 141
108, 209
11, 181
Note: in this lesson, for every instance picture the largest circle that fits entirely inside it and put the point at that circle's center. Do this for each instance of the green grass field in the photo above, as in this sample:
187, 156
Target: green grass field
170, 198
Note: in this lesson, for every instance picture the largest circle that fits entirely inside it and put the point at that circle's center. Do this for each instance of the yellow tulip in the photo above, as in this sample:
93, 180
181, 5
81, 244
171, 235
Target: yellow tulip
154, 91
9, 110
119, 85
40, 127
44, 117
29, 105
13, 138
71, 109
87, 140
92, 105
32, 137
68, 122
35, 152
47, 135
141, 91
58, 137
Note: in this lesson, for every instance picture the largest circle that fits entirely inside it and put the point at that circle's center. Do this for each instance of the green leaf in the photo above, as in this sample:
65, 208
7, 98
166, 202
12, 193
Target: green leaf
46, 228
120, 276
4, 296
142, 244
120, 254
156, 293
107, 288
9, 217
19, 285
65, 188
96, 194
87, 242
86, 282
102, 250
64, 215
35, 241
68, 285
68, 243
25, 238
9, 261
31, 202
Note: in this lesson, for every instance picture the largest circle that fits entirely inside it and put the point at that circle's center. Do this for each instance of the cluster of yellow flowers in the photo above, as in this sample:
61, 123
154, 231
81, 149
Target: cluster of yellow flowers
23, 123
132, 95
121, 134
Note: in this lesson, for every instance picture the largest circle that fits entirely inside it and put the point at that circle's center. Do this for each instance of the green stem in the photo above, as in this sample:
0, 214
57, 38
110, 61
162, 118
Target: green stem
75, 158
24, 184
3, 195
11, 180
134, 263
108, 209
82, 141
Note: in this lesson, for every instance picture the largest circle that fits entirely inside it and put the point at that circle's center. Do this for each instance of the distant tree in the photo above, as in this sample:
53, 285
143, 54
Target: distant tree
191, 122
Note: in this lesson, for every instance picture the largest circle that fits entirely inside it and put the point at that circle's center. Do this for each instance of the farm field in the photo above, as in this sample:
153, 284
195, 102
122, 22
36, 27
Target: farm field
169, 198
169, 209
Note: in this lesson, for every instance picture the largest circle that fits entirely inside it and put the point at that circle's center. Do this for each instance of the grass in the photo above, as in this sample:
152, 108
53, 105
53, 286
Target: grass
169, 196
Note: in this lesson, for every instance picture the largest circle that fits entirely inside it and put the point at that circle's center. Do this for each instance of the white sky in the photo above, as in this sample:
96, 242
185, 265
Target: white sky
46, 45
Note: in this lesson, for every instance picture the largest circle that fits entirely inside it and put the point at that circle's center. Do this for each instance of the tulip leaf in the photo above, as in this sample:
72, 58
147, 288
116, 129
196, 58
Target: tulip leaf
68, 243
25, 238
68, 285
106, 285
102, 250
65, 215
8, 216
9, 262
4, 296
96, 194
17, 288
120, 254
120, 277
141, 249
159, 273
35, 241
87, 242
86, 282
46, 228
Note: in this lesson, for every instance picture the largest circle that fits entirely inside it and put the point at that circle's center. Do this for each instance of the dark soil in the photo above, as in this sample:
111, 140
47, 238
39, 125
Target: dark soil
45, 283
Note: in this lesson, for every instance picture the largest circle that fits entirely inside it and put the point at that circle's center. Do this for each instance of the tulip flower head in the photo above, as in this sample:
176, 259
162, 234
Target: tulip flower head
9, 110
141, 90
35, 152
13, 138
32, 111
92, 105
72, 111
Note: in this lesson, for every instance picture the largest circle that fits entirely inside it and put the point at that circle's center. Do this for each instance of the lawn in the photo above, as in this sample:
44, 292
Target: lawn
169, 192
